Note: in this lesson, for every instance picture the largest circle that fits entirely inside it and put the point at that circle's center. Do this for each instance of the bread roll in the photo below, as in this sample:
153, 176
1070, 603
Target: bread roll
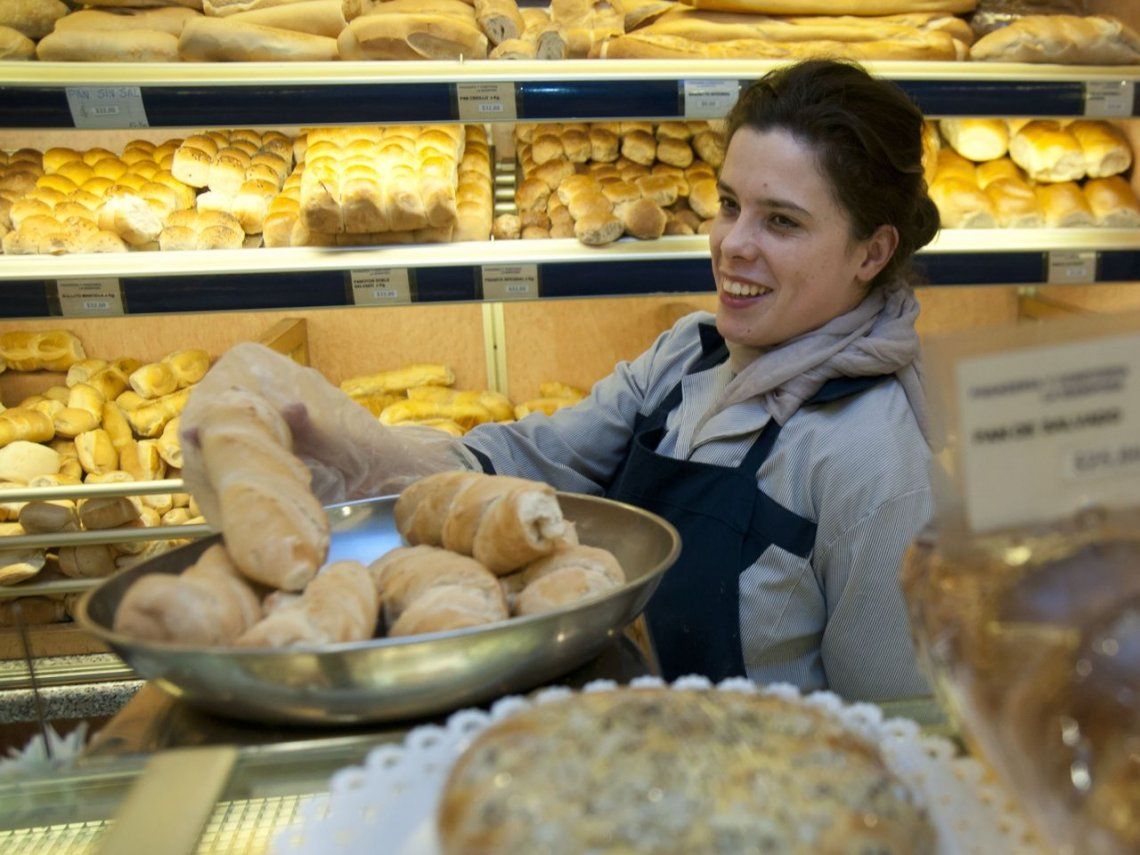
214, 40
567, 577
1048, 152
644, 219
34, 18
15, 45
992, 170
1064, 205
1112, 202
1105, 149
962, 205
339, 605
1014, 203
403, 575
977, 139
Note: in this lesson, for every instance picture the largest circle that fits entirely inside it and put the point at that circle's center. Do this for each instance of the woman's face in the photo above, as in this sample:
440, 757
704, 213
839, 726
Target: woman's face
782, 252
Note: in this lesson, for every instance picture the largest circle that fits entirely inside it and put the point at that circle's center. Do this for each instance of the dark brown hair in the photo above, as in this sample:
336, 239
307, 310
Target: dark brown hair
867, 135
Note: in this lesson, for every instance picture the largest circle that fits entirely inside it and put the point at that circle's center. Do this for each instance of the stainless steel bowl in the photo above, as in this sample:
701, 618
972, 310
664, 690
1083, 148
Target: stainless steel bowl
387, 679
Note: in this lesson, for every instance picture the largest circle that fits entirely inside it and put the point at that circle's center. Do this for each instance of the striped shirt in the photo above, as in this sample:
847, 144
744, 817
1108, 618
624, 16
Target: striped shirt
857, 467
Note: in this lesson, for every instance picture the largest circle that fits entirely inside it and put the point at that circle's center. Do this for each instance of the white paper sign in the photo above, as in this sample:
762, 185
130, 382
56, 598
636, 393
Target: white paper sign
510, 282
1048, 431
709, 99
89, 297
386, 286
107, 107
1070, 267
1109, 98
485, 102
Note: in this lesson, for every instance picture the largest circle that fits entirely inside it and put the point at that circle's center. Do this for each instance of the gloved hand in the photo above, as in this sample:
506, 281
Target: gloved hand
350, 454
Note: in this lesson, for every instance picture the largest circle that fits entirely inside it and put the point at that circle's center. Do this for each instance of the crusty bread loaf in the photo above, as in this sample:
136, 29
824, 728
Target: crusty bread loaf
412, 36
226, 40
15, 45
1068, 39
34, 18
127, 45
168, 19
567, 577
316, 17
534, 776
404, 575
977, 139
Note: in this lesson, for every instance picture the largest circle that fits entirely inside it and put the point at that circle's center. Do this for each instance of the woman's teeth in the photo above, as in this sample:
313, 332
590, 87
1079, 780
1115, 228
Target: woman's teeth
744, 289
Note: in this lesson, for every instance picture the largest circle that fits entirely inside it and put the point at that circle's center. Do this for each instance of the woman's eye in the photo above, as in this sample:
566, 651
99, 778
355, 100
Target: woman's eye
782, 222
727, 205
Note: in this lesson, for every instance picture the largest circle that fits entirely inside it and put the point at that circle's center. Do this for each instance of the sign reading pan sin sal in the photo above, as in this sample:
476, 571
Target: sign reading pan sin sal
1046, 431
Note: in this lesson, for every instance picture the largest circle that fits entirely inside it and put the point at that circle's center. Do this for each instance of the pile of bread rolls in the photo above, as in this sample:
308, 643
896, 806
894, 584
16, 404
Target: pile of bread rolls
108, 421
991, 173
481, 548
420, 394
600, 181
229, 189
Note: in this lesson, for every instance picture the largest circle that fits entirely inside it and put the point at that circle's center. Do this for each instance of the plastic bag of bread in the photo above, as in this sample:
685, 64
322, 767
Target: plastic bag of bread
349, 454
1025, 601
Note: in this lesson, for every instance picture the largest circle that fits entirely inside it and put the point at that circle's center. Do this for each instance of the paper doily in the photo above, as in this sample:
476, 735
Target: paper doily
393, 796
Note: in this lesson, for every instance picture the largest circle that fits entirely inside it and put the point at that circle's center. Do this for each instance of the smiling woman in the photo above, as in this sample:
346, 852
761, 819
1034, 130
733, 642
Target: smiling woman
782, 437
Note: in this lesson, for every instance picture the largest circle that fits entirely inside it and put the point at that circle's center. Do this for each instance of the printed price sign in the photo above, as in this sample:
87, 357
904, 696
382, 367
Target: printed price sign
1106, 99
485, 102
386, 286
510, 282
1071, 267
80, 298
107, 107
709, 99
1047, 431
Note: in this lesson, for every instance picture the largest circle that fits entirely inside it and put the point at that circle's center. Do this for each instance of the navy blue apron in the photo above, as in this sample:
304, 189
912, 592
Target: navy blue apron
725, 522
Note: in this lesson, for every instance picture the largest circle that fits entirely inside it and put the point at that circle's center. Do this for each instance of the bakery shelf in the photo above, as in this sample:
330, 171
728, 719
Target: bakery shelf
161, 282
35, 94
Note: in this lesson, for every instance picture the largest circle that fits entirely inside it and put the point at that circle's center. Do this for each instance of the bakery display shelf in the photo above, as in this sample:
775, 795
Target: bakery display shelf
126, 95
293, 278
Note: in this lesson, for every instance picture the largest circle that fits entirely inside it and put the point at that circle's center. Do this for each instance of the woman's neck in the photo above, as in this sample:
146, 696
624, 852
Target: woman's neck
740, 356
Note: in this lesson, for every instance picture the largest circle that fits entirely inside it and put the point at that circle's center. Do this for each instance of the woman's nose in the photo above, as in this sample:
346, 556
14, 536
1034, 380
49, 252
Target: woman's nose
740, 239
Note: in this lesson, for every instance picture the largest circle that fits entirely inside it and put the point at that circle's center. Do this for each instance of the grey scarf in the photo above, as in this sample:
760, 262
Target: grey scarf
876, 337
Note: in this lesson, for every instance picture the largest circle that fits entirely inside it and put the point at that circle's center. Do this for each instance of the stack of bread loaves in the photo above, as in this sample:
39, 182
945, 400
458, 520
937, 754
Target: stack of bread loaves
109, 421
96, 201
1025, 174
420, 394
599, 181
393, 184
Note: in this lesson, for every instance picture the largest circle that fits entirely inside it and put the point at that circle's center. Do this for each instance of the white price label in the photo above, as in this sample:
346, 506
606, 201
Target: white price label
485, 102
1047, 431
1071, 267
709, 99
89, 297
107, 107
386, 286
510, 282
1107, 99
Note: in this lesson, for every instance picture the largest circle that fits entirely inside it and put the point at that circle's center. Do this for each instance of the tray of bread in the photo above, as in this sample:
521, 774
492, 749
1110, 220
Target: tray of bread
464, 588
661, 768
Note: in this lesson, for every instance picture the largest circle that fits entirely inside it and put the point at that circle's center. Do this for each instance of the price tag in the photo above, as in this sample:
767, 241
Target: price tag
386, 286
1071, 267
510, 282
89, 297
107, 107
709, 99
1107, 99
485, 102
1047, 431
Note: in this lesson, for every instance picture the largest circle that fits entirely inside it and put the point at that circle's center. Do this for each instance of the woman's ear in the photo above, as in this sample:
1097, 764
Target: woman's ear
877, 251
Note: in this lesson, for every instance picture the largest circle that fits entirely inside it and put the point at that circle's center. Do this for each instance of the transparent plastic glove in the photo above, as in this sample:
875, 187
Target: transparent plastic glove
350, 454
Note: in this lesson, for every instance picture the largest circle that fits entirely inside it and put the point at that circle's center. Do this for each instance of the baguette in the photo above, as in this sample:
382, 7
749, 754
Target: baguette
836, 7
315, 17
167, 19
411, 36
214, 40
1068, 39
127, 45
